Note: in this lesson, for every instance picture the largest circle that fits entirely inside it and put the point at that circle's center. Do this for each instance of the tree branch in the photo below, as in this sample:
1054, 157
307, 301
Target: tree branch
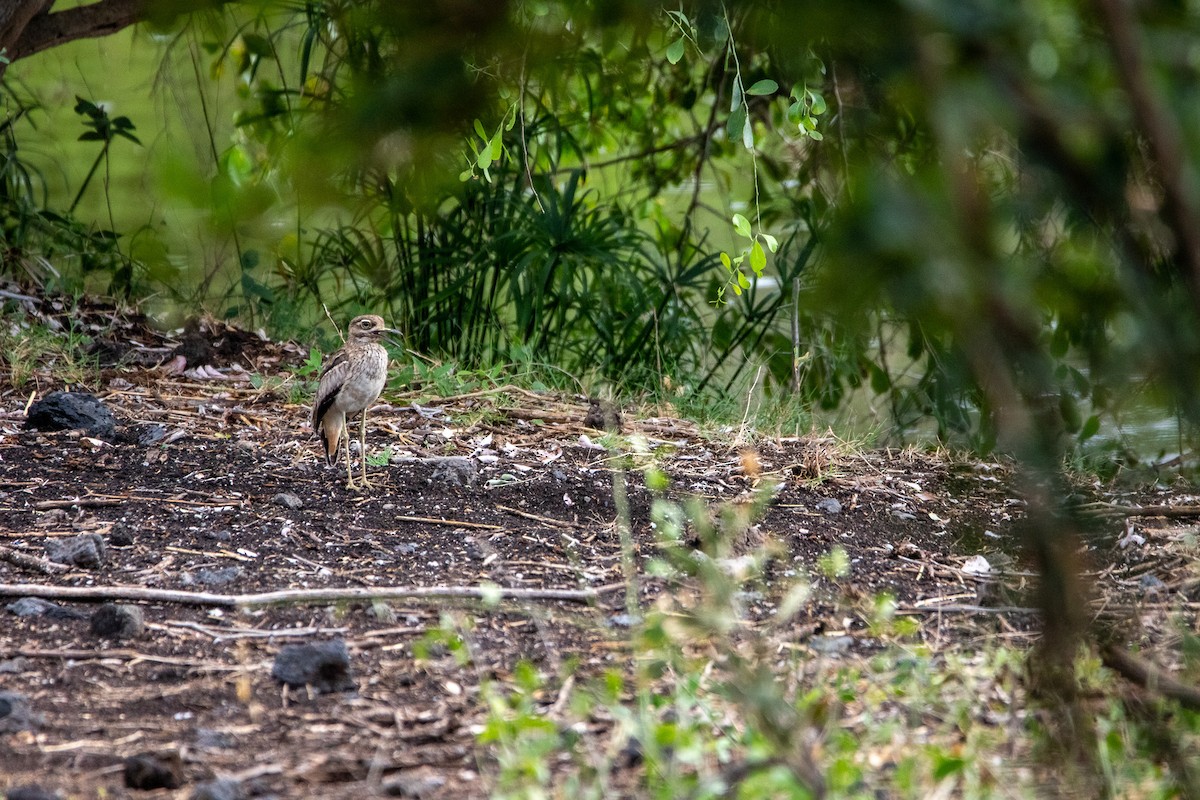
47, 30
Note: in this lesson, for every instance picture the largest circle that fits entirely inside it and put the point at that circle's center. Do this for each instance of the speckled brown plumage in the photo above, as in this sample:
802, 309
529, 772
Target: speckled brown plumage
350, 383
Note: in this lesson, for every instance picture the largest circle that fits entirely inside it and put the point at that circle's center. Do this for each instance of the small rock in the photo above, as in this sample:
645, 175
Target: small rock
455, 471
288, 500
37, 607
147, 435
210, 739
31, 792
112, 621
624, 620
219, 536
1152, 584
212, 577
405, 549
220, 789
829, 505
603, 415
15, 713
14, 666
325, 666
831, 645
407, 784
85, 550
120, 536
67, 411
976, 565
154, 771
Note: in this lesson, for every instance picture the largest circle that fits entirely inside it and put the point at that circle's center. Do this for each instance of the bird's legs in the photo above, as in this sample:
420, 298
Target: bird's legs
362, 446
349, 473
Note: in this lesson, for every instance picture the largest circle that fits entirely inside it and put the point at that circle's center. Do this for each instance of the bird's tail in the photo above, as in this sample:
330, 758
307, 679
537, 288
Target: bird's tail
331, 436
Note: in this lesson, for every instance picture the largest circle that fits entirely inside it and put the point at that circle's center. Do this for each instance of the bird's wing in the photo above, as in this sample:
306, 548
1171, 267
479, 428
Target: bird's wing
333, 375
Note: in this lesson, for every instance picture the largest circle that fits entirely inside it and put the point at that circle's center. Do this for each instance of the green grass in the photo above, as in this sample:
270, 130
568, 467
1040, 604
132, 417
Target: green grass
31, 352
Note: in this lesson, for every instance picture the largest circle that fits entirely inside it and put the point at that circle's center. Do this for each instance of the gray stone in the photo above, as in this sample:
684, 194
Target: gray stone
288, 500
16, 714
454, 471
37, 607
31, 792
829, 505
112, 621
67, 411
325, 666
85, 550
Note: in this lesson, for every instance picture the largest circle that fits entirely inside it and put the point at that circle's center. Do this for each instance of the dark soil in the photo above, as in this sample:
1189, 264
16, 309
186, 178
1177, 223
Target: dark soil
210, 507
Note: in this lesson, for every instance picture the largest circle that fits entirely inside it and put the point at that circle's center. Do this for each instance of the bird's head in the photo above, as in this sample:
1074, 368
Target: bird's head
369, 327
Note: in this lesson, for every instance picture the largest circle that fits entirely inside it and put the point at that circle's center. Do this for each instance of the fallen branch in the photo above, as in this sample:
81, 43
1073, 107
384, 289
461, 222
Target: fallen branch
27, 561
457, 523
1113, 510
558, 523
967, 609
1149, 676
298, 596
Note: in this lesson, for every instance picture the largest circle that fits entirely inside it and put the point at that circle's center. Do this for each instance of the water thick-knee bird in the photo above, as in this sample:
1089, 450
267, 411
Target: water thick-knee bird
350, 383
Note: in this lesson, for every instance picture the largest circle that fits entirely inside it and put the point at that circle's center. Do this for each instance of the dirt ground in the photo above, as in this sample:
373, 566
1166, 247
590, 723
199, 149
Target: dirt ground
503, 487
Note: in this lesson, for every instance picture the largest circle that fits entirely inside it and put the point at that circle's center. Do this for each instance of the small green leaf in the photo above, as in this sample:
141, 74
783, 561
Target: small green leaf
765, 86
1090, 428
725, 260
736, 102
758, 259
817, 103
737, 121
772, 242
742, 280
675, 51
741, 225
748, 135
479, 130
497, 147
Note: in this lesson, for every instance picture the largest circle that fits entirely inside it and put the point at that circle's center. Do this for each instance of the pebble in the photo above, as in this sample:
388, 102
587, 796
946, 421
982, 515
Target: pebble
154, 771
410, 785
66, 411
829, 505
85, 550
325, 666
220, 789
37, 607
147, 435
288, 500
112, 621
